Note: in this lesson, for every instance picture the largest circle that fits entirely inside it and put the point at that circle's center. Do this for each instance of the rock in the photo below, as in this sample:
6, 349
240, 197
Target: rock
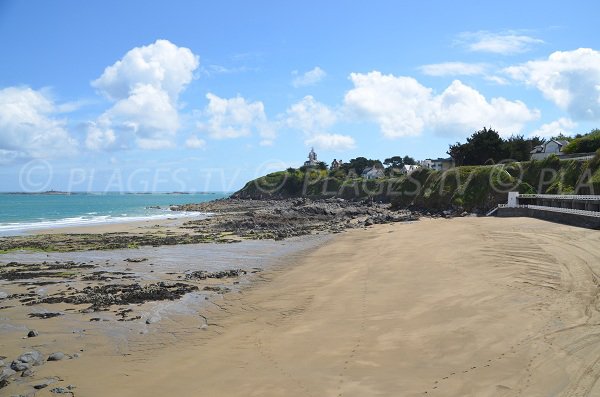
5, 374
153, 319
33, 333
44, 316
27, 373
60, 390
3, 295
20, 366
45, 383
56, 356
33, 357
2, 363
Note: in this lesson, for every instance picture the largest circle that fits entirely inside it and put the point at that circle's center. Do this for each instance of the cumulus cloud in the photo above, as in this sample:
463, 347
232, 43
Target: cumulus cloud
194, 142
145, 86
310, 116
562, 125
313, 119
100, 137
236, 117
454, 69
404, 107
162, 65
570, 79
29, 128
311, 77
400, 105
331, 142
505, 43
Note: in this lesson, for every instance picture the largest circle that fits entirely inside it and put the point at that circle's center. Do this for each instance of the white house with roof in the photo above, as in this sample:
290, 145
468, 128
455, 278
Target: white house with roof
409, 169
553, 146
373, 173
439, 164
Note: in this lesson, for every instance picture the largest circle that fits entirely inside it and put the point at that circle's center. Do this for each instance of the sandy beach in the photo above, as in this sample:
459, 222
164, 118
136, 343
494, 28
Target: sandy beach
460, 307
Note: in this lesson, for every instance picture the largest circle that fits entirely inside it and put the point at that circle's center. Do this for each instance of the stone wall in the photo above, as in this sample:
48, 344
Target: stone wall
552, 216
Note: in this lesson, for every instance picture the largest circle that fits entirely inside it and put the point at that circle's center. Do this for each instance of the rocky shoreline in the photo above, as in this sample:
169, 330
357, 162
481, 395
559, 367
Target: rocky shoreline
232, 220
280, 219
46, 296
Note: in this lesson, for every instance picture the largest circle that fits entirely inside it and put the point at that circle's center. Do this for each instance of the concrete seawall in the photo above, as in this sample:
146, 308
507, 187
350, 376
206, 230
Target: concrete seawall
590, 222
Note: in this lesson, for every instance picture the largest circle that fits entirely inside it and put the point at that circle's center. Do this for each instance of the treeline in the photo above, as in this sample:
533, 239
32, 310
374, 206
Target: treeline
359, 164
488, 147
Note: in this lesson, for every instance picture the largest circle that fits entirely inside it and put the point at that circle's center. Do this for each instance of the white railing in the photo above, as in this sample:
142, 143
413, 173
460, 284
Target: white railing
595, 214
561, 196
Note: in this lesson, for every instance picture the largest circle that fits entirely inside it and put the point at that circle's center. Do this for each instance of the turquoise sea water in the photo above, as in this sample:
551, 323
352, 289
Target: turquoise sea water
23, 212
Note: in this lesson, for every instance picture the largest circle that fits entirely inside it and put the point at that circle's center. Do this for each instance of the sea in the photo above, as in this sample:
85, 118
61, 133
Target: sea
22, 213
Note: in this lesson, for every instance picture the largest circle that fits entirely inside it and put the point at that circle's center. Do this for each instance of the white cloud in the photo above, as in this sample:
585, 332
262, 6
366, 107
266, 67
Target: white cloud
570, 79
403, 107
311, 77
331, 142
194, 142
162, 65
462, 109
505, 43
310, 116
562, 125
313, 119
145, 84
235, 118
28, 128
400, 105
454, 69
99, 138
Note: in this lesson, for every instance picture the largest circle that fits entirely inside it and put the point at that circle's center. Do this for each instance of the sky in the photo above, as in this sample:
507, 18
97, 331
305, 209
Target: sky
204, 96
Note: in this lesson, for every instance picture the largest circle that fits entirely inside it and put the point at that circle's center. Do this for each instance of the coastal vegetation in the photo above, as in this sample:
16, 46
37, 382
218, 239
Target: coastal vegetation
587, 143
471, 188
488, 147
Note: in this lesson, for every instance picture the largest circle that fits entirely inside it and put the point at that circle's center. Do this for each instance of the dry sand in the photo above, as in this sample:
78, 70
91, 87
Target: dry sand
461, 307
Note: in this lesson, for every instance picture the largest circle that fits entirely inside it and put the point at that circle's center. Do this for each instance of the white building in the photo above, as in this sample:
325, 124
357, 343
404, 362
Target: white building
439, 164
312, 159
409, 169
551, 147
373, 173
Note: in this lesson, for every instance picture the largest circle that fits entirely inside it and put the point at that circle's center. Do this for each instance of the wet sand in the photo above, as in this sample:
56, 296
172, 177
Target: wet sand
460, 307
153, 225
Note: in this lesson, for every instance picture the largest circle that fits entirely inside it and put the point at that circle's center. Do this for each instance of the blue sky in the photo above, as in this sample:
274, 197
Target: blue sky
182, 95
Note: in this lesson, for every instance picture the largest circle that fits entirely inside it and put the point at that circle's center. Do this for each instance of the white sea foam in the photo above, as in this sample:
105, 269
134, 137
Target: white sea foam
21, 227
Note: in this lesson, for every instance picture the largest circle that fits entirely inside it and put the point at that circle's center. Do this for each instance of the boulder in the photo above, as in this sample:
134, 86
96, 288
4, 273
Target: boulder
27, 373
153, 319
33, 333
33, 357
20, 366
5, 374
56, 356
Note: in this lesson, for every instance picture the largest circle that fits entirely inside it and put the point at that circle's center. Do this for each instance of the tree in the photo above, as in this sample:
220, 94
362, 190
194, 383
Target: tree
394, 162
518, 148
359, 164
409, 160
483, 146
458, 152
